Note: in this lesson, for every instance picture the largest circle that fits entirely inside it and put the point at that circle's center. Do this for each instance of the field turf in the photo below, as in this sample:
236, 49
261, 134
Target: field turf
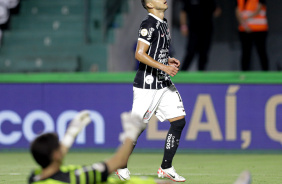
196, 168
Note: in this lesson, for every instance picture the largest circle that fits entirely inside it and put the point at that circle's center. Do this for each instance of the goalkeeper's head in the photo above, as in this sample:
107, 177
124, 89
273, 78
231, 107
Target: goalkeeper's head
45, 149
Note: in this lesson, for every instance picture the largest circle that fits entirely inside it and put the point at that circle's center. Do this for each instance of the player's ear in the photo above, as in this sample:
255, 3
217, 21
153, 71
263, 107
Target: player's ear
150, 5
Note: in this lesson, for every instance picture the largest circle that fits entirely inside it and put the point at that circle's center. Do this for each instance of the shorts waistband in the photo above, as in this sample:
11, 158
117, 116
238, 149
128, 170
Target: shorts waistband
165, 83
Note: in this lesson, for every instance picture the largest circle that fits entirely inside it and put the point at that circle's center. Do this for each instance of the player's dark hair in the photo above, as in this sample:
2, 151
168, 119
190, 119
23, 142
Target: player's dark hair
144, 3
43, 147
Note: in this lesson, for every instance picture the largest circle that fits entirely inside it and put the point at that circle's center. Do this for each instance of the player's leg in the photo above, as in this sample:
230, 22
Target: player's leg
124, 173
171, 145
171, 108
172, 140
132, 126
141, 102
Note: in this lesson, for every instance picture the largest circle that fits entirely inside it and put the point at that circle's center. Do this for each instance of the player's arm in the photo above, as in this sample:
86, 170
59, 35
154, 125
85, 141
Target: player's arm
81, 120
174, 62
120, 158
142, 56
132, 127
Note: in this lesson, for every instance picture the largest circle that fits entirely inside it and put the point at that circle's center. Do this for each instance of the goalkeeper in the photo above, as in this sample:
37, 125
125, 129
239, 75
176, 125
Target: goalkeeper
49, 153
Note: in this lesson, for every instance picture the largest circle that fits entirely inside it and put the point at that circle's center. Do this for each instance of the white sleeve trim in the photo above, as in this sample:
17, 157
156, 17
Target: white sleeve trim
145, 41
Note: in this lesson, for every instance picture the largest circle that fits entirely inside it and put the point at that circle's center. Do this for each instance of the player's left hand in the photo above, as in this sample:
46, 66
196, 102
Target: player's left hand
174, 62
81, 120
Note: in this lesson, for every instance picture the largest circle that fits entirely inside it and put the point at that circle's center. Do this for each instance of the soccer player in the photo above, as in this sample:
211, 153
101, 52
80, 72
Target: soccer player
154, 92
48, 152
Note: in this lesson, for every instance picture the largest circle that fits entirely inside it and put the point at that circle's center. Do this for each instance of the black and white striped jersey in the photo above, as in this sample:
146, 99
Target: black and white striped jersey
154, 32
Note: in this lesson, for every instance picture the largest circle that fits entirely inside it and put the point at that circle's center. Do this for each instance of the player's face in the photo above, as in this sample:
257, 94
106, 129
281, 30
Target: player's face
160, 4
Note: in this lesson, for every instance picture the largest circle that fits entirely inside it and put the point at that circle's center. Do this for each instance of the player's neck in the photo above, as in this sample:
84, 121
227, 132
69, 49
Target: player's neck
50, 170
159, 14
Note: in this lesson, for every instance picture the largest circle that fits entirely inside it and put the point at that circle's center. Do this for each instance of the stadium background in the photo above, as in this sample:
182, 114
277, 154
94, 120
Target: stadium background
58, 57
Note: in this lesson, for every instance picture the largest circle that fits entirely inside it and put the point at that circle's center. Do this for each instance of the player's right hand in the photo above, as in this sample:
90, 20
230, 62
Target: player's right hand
171, 70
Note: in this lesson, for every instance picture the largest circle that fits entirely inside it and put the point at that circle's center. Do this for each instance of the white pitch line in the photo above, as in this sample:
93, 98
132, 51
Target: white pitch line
15, 174
191, 174
201, 174
144, 174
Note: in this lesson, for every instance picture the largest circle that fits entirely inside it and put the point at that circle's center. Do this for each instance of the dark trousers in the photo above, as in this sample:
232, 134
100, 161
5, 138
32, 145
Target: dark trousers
199, 42
247, 41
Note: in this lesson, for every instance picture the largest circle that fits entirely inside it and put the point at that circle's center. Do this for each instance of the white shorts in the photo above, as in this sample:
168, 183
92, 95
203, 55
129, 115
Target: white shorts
166, 103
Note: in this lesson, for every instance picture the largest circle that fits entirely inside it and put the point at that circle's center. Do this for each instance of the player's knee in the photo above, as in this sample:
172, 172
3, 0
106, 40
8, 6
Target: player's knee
178, 124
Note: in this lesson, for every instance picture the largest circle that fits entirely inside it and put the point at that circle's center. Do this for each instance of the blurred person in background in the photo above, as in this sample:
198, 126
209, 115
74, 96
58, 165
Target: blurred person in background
7, 7
196, 21
11, 7
4, 17
253, 29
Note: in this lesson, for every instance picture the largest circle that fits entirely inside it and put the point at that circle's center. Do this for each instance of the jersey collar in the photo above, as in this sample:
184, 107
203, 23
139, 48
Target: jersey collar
156, 17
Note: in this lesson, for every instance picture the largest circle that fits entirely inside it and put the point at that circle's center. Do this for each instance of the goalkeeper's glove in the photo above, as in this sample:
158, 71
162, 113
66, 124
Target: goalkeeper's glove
132, 126
80, 121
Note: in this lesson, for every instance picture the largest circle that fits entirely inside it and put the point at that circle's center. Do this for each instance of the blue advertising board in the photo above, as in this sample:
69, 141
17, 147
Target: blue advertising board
219, 116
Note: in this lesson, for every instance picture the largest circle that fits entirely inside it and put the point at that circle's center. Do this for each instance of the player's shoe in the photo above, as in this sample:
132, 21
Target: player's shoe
244, 178
171, 174
123, 174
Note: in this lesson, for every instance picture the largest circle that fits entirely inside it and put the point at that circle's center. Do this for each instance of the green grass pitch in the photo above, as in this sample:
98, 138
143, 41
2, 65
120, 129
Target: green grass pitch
196, 168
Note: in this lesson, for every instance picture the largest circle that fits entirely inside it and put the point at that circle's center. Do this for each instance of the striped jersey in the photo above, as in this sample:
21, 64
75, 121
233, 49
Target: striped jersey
154, 32
94, 174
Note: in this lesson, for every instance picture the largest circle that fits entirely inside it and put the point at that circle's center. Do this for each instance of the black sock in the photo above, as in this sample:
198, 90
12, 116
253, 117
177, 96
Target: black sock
172, 142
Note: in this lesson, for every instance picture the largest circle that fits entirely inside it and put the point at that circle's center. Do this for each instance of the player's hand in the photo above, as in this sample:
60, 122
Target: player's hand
81, 120
174, 62
132, 126
171, 70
